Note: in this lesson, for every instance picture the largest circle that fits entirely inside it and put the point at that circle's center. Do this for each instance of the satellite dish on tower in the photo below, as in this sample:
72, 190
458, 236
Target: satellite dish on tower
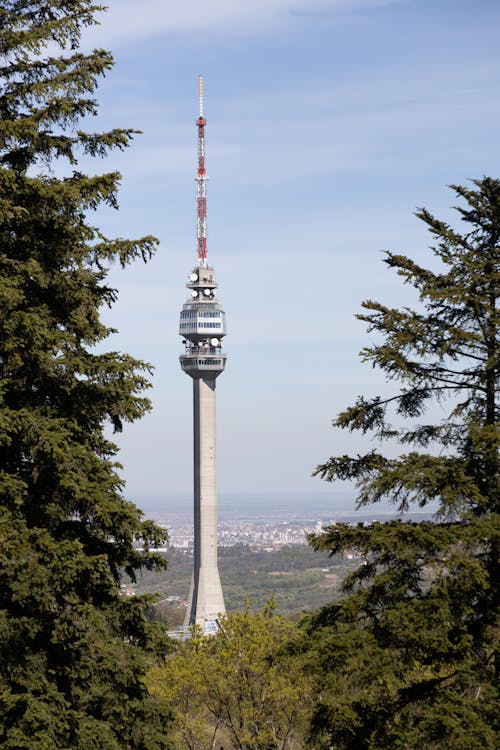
214, 341
193, 276
194, 293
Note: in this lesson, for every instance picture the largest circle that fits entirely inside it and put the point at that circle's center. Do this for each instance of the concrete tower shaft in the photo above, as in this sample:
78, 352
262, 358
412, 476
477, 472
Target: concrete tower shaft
206, 601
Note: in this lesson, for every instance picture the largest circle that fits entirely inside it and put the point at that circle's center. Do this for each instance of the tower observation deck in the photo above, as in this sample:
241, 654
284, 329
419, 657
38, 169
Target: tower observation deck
203, 327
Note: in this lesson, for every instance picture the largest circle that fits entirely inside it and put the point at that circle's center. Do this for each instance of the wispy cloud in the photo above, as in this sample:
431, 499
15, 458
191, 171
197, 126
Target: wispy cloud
368, 130
128, 19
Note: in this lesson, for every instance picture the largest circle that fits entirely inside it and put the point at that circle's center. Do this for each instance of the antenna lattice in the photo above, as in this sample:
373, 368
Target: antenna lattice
201, 179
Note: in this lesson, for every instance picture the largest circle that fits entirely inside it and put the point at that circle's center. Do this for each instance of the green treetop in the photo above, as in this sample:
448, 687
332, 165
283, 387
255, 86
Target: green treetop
410, 658
72, 651
241, 689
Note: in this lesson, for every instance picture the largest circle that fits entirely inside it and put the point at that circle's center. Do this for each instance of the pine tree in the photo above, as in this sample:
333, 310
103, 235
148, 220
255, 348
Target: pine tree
410, 657
72, 650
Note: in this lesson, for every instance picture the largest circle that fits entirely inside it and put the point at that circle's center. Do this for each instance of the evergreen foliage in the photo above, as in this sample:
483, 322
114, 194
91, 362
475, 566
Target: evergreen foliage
410, 657
72, 650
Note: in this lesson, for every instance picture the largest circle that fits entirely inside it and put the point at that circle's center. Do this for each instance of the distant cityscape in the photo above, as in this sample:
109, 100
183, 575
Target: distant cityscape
262, 534
256, 534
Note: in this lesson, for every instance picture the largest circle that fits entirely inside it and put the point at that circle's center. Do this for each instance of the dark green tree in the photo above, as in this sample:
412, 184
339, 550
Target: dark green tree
410, 657
72, 650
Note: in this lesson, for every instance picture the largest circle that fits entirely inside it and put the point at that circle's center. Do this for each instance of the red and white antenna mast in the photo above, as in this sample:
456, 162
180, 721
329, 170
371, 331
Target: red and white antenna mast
201, 179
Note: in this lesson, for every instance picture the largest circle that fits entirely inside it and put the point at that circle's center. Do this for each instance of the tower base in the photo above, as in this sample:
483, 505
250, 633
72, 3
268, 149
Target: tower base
206, 601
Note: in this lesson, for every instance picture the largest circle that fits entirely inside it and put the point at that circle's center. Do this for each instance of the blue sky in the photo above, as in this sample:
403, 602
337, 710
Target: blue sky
329, 123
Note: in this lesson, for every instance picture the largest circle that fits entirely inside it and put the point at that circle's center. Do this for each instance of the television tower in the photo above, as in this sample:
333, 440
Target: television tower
202, 327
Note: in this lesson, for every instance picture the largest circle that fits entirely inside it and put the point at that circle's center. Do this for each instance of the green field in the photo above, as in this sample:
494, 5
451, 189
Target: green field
297, 577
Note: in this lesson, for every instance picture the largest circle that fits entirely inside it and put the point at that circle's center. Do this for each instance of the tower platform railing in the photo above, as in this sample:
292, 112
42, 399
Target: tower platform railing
204, 350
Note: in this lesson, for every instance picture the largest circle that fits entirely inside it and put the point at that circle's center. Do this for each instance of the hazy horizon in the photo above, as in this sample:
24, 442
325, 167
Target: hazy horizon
270, 505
